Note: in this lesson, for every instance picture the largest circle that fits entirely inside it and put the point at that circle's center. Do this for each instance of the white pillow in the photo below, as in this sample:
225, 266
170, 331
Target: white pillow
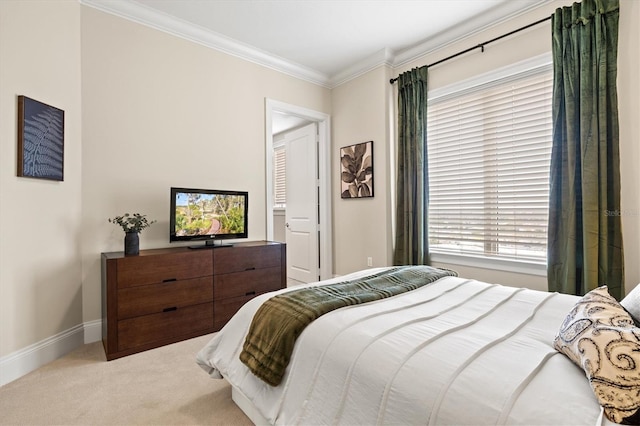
631, 303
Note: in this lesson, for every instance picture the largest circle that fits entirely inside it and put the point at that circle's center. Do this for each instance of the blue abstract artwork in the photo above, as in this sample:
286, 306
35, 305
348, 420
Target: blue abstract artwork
40, 140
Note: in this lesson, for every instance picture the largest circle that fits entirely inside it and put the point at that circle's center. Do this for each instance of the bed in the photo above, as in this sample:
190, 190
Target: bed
455, 351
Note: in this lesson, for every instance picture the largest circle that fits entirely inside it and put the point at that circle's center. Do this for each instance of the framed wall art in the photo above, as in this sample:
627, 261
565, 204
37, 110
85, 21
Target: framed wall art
356, 178
40, 140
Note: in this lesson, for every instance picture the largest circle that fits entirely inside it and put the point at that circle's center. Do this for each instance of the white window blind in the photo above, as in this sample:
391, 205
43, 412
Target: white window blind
279, 175
489, 151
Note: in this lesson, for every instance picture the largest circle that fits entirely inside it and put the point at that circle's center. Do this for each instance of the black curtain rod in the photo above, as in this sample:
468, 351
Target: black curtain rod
481, 45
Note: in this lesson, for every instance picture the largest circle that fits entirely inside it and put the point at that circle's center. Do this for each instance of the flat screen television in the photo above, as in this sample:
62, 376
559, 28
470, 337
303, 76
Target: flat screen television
209, 215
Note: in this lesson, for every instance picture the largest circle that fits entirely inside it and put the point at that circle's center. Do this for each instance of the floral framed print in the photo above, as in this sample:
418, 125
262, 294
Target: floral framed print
40, 140
356, 177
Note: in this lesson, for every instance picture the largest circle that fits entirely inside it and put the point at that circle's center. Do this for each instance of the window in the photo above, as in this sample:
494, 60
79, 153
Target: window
489, 150
279, 177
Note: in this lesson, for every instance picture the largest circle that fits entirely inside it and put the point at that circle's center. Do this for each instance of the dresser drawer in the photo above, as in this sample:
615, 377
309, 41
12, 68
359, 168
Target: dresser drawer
134, 332
155, 298
143, 270
237, 259
247, 283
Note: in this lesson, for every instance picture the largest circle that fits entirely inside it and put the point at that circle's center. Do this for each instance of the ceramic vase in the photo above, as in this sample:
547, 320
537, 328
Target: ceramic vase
131, 244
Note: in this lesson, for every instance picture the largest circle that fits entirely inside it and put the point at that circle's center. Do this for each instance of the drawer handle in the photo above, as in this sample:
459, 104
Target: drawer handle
250, 269
250, 293
173, 308
168, 280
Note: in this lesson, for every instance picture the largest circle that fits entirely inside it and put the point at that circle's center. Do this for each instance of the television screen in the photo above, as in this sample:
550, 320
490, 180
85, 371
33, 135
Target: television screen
207, 214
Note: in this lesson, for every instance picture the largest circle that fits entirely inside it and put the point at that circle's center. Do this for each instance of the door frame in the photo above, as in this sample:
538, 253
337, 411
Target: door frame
324, 176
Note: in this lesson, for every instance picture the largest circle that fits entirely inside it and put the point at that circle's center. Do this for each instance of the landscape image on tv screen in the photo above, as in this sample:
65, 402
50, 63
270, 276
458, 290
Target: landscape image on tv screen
208, 214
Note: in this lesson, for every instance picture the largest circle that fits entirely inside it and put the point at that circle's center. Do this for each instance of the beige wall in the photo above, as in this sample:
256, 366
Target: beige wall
160, 111
361, 227
40, 221
629, 109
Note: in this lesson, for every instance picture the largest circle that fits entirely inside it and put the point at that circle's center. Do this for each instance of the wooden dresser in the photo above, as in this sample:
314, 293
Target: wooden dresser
163, 296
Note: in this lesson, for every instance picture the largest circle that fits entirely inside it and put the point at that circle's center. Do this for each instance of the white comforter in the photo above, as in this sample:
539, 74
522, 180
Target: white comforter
456, 351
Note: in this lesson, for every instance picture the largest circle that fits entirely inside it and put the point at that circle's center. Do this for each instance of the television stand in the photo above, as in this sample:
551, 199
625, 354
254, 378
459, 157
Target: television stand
209, 244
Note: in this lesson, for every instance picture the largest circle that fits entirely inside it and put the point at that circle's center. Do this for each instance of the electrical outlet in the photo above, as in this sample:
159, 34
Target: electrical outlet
369, 261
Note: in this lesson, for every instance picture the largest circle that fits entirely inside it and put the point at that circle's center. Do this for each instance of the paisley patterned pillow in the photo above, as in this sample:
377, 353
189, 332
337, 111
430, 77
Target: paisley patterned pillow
600, 337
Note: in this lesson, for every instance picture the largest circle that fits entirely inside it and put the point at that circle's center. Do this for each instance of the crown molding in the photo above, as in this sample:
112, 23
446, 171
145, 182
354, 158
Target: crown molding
160, 21
141, 14
382, 57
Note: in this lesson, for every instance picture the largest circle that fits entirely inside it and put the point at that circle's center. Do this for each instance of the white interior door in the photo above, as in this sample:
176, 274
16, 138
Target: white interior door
302, 204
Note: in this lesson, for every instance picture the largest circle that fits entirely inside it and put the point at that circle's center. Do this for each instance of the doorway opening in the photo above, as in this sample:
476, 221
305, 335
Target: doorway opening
275, 109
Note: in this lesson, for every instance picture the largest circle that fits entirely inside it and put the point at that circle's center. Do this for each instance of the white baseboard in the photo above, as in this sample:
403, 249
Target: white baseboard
24, 361
92, 331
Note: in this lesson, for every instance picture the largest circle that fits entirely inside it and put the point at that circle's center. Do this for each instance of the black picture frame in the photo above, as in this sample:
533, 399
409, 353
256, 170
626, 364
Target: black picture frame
356, 170
40, 140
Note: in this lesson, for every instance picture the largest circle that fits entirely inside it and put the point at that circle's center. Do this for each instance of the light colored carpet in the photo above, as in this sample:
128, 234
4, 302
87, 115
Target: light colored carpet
163, 386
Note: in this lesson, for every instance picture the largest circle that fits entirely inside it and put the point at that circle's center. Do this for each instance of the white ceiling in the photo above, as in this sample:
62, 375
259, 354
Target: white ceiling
326, 42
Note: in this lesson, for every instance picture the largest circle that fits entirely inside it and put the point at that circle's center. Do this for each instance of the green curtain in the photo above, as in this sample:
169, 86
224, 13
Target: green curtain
585, 237
412, 199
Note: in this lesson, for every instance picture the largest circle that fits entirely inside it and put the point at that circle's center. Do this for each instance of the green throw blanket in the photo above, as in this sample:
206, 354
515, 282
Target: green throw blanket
280, 320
